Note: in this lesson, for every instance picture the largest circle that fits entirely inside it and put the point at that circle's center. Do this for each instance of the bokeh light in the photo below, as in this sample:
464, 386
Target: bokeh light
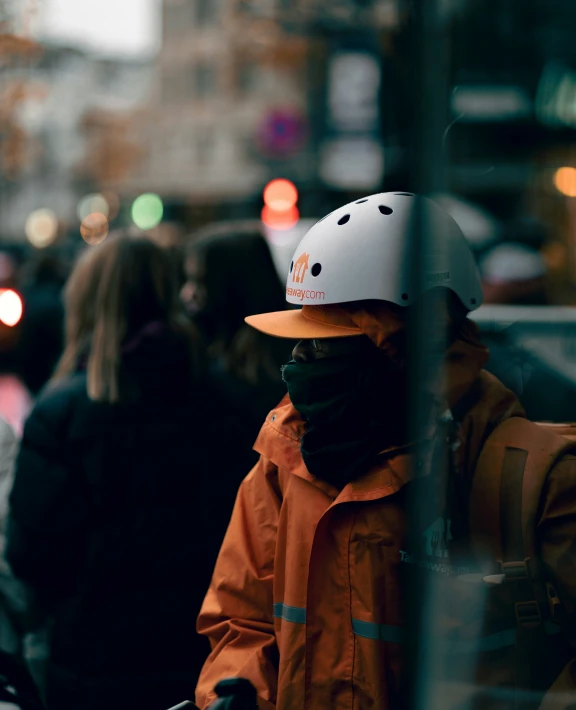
10, 308
94, 228
280, 219
113, 202
555, 255
565, 181
93, 203
147, 211
41, 228
280, 195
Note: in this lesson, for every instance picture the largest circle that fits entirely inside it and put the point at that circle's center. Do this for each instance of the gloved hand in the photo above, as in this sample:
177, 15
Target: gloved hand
235, 694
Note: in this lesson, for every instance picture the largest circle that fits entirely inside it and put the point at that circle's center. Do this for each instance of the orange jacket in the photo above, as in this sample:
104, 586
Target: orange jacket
306, 597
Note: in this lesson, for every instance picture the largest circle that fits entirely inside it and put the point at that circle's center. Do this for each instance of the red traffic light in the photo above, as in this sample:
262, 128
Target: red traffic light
284, 219
280, 195
280, 198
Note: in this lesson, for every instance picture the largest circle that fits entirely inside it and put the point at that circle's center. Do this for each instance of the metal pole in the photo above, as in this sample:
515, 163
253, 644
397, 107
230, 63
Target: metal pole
431, 80
430, 57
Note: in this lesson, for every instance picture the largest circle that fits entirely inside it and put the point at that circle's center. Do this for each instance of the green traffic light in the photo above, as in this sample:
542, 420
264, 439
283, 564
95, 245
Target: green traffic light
147, 211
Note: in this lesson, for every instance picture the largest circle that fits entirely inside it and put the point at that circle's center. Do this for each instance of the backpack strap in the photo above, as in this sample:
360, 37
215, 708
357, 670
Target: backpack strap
510, 474
505, 501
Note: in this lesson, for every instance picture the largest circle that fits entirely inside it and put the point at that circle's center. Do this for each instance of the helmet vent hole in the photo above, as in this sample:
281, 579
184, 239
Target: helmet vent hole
361, 201
344, 220
405, 194
291, 266
316, 269
385, 210
404, 296
473, 301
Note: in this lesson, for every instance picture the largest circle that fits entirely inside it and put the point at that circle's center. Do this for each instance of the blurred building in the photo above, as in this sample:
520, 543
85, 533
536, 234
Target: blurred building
62, 100
236, 95
218, 79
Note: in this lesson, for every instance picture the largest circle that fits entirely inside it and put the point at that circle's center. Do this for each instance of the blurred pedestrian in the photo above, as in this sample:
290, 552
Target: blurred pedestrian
112, 505
514, 274
230, 275
42, 327
15, 396
478, 225
12, 599
17, 618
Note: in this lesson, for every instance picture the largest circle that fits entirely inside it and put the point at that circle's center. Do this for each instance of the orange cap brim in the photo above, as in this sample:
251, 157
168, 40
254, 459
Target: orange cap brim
295, 326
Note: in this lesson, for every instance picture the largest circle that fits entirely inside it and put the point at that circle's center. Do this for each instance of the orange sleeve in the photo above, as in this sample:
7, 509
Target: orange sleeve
237, 613
557, 533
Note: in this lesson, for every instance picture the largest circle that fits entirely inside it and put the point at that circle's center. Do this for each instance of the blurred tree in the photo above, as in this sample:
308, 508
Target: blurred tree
15, 53
111, 151
17, 148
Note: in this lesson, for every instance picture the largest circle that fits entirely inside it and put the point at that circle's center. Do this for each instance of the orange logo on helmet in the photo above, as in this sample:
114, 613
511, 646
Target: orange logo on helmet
300, 268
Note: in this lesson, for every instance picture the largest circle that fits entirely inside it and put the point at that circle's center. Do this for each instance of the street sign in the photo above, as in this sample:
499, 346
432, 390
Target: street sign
351, 155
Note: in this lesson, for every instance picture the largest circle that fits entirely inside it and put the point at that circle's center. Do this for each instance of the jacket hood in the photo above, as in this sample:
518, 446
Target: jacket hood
386, 326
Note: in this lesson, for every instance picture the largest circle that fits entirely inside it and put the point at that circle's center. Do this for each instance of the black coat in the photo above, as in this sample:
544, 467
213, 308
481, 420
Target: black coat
116, 520
41, 335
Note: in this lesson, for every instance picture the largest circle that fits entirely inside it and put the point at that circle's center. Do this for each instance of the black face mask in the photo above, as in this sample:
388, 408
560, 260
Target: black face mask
354, 407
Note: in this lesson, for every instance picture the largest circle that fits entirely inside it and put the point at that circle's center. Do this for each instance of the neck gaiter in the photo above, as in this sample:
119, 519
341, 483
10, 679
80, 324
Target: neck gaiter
354, 407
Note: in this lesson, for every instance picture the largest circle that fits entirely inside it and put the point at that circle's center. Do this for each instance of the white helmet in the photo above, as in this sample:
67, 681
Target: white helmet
364, 251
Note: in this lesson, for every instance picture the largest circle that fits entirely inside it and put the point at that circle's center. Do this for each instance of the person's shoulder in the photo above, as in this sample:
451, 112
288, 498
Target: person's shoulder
492, 386
494, 401
69, 387
58, 399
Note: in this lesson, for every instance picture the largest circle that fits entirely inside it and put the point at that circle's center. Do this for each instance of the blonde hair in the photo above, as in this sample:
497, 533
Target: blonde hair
115, 289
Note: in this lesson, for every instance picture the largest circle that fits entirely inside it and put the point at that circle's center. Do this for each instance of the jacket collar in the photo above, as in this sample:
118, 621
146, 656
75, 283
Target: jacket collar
279, 442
